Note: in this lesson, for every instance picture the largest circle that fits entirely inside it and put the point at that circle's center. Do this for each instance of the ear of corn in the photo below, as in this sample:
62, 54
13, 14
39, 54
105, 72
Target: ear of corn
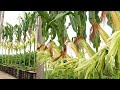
53, 48
113, 47
77, 52
87, 47
100, 64
102, 33
95, 65
116, 33
115, 20
91, 67
116, 67
117, 14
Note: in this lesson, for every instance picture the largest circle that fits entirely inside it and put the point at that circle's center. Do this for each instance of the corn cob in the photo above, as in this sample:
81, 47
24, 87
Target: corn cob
87, 48
116, 33
102, 33
74, 48
63, 64
115, 20
117, 62
91, 67
117, 14
113, 47
100, 63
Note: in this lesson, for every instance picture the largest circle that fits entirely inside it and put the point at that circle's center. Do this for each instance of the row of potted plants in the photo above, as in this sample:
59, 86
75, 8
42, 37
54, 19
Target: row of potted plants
18, 73
17, 60
14, 58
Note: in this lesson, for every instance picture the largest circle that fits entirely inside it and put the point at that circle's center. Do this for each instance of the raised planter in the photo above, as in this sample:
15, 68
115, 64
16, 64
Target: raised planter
14, 72
21, 73
26, 74
5, 69
31, 75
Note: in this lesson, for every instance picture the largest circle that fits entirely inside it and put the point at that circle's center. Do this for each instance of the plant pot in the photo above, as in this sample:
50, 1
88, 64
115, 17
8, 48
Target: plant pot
20, 74
15, 72
11, 70
8, 70
5, 69
0, 67
31, 75
26, 75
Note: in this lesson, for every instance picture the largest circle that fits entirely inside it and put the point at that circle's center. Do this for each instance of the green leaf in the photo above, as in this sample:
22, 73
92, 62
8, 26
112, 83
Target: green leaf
109, 22
97, 17
83, 23
73, 22
91, 16
60, 16
44, 14
96, 41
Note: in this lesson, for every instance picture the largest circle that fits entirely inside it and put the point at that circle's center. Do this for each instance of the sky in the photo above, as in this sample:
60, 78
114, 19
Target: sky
12, 18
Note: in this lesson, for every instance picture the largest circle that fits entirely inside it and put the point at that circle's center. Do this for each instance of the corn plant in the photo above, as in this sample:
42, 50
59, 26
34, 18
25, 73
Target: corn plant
28, 25
19, 60
101, 63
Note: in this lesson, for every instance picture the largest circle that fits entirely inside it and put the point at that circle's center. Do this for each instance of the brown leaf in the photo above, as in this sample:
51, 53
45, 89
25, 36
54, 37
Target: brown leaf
77, 39
93, 30
103, 16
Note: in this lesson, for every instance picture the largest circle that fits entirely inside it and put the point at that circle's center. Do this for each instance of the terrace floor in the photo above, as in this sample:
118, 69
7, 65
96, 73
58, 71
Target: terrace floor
5, 76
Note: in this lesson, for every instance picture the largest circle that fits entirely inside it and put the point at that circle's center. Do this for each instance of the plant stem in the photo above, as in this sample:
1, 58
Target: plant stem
35, 55
2, 53
30, 52
5, 56
116, 67
24, 53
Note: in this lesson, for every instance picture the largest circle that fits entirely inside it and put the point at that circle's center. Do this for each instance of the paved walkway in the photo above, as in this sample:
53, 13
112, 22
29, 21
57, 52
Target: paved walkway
5, 76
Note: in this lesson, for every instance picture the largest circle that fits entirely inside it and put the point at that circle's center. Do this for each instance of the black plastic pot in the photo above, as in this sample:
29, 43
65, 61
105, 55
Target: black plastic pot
15, 72
5, 69
0, 67
10, 70
26, 75
21, 74
31, 75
